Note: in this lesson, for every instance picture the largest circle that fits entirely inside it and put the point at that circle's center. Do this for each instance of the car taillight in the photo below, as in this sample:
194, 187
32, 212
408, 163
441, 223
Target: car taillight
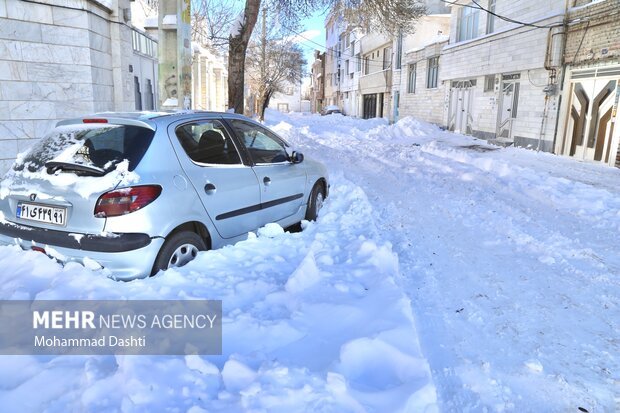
94, 120
126, 200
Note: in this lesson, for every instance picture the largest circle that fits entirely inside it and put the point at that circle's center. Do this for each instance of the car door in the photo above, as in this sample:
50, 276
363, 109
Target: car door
228, 189
282, 182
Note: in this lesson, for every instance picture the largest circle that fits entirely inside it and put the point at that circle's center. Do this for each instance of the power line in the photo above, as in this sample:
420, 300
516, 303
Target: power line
499, 16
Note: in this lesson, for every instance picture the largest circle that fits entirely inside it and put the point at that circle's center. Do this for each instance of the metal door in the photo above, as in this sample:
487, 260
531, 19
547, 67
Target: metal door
508, 105
460, 107
592, 119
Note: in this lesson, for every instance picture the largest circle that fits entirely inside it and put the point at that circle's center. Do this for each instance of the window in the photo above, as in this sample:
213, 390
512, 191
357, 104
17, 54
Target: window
366, 65
489, 83
207, 142
359, 62
149, 98
399, 50
491, 17
387, 57
264, 146
346, 67
432, 72
137, 93
468, 23
411, 77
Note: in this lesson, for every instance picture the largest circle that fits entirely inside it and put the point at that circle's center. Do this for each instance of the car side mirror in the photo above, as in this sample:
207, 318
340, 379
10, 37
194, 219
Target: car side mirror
297, 157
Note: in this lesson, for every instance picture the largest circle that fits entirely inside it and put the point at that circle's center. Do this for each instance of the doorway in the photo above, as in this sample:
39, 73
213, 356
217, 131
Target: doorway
591, 133
508, 107
459, 116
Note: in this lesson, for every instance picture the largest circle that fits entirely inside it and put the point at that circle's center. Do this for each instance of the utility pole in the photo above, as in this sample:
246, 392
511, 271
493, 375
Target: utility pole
175, 54
263, 69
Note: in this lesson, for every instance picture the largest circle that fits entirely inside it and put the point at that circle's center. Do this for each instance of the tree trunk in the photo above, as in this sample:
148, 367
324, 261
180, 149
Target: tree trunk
265, 103
238, 45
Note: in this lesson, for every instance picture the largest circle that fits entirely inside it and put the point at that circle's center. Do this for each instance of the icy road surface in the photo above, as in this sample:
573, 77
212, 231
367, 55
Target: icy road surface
444, 275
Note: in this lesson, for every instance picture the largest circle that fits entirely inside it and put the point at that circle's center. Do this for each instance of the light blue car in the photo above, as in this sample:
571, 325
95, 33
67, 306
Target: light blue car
136, 193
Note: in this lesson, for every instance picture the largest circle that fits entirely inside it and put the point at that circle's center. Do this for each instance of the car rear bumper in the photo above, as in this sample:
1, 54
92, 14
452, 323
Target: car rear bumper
126, 255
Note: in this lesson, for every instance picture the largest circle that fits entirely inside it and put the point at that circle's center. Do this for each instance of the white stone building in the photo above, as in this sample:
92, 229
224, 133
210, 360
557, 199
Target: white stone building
501, 77
60, 59
209, 80
289, 100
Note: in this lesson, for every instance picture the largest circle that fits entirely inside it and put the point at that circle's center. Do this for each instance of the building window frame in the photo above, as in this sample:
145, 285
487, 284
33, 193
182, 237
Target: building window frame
467, 23
491, 17
387, 57
411, 77
432, 72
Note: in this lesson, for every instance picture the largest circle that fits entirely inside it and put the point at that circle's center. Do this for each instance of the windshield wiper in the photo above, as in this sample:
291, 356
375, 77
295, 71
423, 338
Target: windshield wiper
53, 166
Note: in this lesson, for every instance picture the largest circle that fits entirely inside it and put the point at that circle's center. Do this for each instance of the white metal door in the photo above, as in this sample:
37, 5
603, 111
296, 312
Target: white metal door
460, 106
508, 109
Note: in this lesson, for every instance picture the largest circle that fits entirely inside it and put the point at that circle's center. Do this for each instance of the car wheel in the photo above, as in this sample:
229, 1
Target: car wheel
178, 250
315, 202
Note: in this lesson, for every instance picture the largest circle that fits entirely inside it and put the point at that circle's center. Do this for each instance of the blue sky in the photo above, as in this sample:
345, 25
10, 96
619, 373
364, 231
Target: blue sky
314, 32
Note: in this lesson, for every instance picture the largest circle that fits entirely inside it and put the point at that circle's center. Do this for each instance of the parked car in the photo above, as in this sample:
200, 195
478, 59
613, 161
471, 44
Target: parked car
328, 110
142, 192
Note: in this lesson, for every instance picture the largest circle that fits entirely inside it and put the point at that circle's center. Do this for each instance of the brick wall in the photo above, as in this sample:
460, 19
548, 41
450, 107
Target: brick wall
595, 27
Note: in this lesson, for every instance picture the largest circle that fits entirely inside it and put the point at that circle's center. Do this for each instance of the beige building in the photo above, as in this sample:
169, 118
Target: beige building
317, 82
588, 126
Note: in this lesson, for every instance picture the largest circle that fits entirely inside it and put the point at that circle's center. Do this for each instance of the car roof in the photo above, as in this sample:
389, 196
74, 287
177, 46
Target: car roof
144, 118
331, 107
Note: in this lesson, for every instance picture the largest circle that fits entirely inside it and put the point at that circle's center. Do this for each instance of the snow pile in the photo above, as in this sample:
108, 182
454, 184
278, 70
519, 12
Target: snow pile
313, 321
510, 257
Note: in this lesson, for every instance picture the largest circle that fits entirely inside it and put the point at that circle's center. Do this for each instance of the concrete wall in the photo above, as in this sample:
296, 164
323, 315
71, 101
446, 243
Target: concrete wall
58, 60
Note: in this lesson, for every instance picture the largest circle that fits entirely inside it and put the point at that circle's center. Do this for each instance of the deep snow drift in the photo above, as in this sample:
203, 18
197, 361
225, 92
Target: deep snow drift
505, 261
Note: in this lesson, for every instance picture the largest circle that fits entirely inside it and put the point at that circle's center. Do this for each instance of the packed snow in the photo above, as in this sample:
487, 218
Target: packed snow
443, 275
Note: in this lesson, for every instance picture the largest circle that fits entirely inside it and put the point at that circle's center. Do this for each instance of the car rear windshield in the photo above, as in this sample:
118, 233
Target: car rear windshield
99, 146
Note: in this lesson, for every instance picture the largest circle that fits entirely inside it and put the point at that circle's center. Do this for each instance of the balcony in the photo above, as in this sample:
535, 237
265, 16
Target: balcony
378, 82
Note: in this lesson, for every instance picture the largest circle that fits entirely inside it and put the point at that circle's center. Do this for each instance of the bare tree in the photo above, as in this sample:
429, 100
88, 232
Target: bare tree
211, 20
388, 16
274, 63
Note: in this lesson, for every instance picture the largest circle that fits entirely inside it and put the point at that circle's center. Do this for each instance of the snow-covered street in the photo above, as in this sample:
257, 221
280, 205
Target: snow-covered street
443, 275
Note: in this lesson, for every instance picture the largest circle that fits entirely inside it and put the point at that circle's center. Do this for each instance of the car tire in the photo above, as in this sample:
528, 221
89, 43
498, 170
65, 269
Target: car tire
178, 250
315, 202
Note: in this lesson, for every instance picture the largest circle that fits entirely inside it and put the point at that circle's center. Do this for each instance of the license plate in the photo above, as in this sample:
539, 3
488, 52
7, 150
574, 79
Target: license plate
42, 213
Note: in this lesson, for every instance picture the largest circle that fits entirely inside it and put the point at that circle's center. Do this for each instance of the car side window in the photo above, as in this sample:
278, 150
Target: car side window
263, 145
207, 142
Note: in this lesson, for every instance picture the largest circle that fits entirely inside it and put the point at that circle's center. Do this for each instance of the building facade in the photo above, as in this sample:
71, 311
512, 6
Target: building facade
588, 126
420, 94
61, 59
209, 80
501, 77
317, 82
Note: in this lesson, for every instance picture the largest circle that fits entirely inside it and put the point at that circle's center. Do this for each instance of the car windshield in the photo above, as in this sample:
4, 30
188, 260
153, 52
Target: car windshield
84, 149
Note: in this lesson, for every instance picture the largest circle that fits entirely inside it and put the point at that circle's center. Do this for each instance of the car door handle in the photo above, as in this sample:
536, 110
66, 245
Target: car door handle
210, 189
266, 180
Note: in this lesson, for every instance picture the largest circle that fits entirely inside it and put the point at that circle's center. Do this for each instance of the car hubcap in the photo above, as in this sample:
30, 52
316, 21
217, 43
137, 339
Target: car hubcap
182, 255
319, 201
